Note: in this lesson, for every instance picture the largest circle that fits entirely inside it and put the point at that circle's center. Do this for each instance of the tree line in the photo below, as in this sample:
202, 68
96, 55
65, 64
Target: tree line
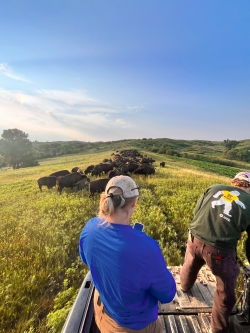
17, 151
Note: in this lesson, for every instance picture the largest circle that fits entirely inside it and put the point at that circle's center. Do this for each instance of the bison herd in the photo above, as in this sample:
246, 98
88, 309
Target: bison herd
126, 162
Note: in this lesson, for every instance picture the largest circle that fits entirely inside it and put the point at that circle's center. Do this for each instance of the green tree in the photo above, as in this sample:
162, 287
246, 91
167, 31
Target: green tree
238, 154
172, 152
2, 162
162, 150
17, 149
230, 144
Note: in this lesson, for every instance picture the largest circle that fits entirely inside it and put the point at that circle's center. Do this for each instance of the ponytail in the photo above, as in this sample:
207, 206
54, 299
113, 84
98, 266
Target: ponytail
109, 203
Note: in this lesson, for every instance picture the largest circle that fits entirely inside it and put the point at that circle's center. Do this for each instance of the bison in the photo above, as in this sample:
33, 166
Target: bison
69, 180
79, 186
97, 171
113, 173
98, 185
106, 167
60, 173
89, 169
132, 167
49, 181
124, 168
75, 169
146, 169
147, 160
162, 164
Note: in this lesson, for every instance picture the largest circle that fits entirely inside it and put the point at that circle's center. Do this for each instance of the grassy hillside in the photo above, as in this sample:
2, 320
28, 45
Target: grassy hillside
211, 148
40, 267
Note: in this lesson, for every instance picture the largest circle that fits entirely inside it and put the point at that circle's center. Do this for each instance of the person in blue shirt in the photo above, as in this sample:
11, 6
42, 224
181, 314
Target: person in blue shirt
127, 266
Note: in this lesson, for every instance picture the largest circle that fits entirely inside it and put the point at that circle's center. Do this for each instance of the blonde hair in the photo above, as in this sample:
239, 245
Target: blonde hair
240, 183
110, 202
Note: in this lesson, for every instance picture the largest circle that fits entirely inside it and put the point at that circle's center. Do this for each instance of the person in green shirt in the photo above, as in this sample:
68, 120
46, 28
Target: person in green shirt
221, 214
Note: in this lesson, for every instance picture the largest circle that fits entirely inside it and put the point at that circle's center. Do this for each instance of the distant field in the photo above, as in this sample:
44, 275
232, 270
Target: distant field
40, 268
213, 167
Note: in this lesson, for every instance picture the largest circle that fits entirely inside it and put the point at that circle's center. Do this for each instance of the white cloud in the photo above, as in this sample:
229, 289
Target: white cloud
74, 97
6, 70
122, 123
61, 115
135, 108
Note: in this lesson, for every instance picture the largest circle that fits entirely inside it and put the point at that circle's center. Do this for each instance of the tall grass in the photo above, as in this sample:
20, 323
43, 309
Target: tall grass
40, 270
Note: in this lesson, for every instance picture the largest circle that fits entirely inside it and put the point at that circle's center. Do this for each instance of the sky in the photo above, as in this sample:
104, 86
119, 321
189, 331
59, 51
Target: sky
105, 70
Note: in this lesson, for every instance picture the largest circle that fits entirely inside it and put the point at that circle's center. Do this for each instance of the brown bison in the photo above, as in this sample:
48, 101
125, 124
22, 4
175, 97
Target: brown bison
107, 167
113, 173
69, 181
97, 171
162, 164
147, 160
60, 173
132, 167
146, 169
75, 169
89, 169
49, 181
79, 186
124, 168
98, 185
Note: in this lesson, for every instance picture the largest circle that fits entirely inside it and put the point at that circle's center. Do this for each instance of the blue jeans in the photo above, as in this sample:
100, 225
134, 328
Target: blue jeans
223, 265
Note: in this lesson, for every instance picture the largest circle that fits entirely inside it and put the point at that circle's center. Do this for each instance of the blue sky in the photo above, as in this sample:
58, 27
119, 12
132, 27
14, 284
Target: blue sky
106, 70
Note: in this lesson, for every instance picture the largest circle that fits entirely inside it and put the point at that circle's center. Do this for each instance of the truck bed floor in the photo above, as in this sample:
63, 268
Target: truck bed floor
189, 312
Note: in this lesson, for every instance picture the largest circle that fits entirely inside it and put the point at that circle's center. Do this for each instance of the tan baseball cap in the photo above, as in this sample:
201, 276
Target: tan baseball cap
244, 175
125, 183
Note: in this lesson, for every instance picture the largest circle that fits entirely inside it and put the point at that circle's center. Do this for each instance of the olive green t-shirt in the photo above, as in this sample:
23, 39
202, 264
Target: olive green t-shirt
221, 215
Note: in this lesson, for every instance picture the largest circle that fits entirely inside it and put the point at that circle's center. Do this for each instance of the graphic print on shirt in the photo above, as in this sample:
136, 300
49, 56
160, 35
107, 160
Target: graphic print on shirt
226, 200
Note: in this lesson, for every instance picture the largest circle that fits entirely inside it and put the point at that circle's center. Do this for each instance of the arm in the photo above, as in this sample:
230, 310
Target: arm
240, 204
163, 285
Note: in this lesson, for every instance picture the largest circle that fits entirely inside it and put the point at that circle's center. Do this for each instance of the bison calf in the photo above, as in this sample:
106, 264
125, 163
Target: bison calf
79, 186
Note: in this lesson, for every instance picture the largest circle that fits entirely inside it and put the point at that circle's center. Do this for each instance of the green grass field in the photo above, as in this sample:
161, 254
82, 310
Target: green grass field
40, 267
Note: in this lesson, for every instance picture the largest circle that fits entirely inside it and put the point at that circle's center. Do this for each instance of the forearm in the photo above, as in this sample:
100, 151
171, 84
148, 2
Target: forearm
164, 290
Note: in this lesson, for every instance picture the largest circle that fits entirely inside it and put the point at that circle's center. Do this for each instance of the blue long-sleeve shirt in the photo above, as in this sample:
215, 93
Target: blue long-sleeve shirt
128, 270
